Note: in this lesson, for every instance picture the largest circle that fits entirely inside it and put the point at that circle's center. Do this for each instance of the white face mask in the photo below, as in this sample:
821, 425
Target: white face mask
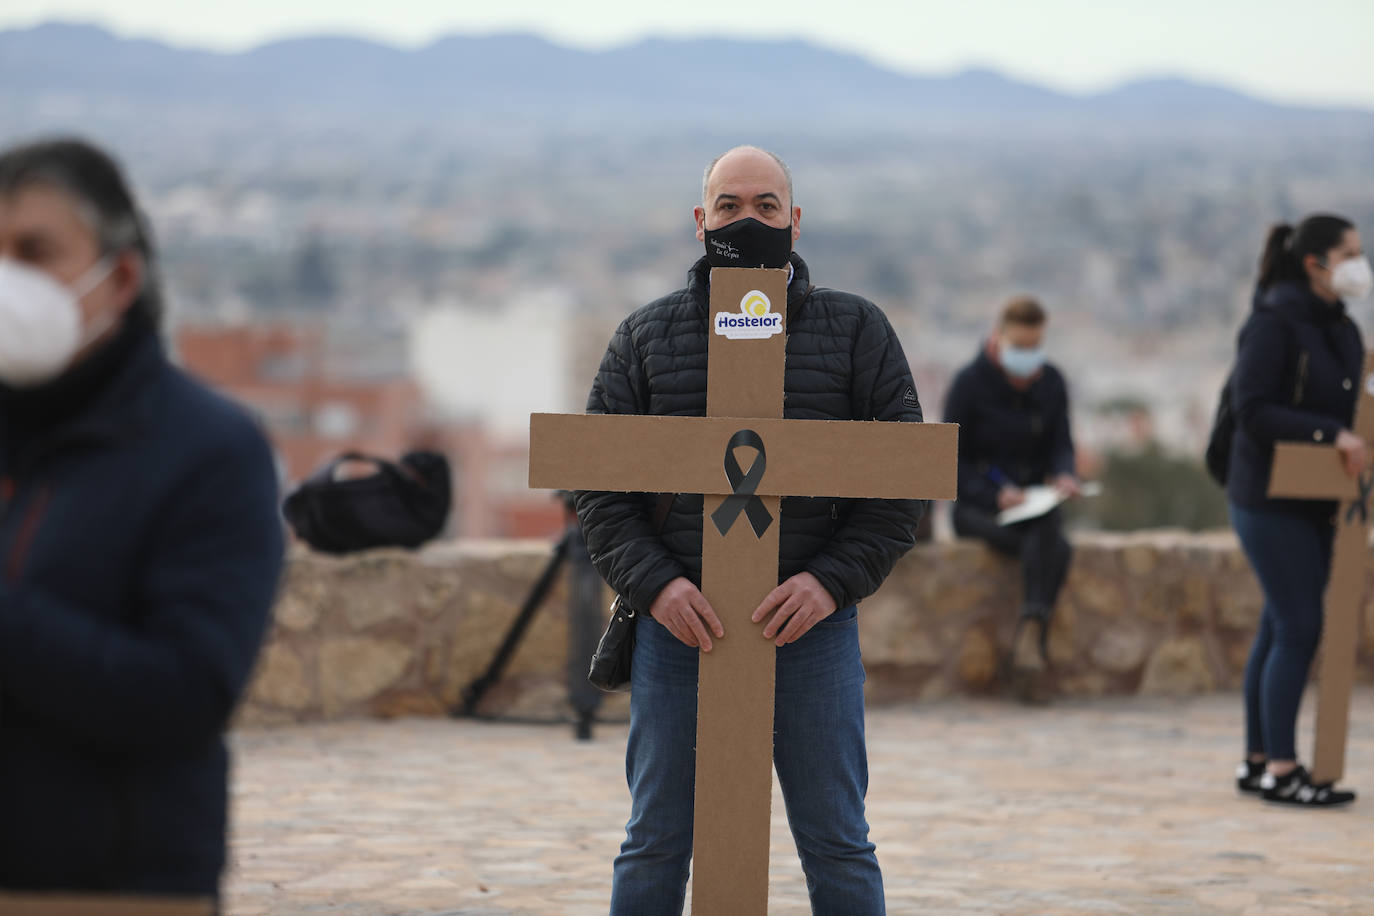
1352, 279
40, 322
1022, 363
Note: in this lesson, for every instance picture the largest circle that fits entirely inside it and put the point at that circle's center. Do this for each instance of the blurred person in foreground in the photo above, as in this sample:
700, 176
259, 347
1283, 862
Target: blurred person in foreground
843, 363
1298, 366
1012, 407
140, 548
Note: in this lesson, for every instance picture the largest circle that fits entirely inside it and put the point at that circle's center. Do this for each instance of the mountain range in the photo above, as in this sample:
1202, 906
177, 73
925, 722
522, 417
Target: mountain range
521, 76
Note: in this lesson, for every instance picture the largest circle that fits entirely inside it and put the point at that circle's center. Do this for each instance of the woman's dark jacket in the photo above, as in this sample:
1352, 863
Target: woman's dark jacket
1297, 376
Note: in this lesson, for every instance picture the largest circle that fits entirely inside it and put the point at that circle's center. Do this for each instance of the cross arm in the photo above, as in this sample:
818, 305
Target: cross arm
841, 458
1303, 471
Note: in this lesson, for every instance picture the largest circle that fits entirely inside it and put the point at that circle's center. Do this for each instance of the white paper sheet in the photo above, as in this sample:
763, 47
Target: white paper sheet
1040, 500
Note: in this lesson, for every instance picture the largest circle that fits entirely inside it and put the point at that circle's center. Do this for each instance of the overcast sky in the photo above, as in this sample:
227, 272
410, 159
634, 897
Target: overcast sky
1313, 51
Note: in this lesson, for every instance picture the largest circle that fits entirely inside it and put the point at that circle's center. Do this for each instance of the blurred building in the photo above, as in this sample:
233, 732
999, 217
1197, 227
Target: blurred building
314, 409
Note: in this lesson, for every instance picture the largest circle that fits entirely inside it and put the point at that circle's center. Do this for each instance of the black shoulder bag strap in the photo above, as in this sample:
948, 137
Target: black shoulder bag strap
662, 507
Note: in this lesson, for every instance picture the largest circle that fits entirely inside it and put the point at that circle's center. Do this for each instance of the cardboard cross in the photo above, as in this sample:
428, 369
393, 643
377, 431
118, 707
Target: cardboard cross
744, 406
1304, 471
81, 905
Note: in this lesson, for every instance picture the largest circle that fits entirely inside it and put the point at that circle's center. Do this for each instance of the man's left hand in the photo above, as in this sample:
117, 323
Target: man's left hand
1068, 486
796, 605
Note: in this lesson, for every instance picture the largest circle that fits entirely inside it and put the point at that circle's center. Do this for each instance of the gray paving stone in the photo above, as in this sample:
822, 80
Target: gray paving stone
1104, 806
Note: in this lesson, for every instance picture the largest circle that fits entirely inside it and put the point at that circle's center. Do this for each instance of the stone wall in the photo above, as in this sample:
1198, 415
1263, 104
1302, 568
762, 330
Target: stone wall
394, 633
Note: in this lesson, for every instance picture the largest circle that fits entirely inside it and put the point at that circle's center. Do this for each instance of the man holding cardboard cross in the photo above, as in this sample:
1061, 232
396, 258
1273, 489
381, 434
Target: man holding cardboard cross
842, 362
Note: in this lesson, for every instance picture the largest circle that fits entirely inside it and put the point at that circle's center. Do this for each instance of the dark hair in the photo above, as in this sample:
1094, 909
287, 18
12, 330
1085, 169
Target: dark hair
1025, 311
1286, 247
94, 179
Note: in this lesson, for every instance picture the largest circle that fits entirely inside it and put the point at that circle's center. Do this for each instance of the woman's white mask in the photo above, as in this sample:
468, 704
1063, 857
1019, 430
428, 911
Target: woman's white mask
1352, 279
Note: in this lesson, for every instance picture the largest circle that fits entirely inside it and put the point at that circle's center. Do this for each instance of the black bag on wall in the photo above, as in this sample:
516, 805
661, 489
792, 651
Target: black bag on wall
403, 504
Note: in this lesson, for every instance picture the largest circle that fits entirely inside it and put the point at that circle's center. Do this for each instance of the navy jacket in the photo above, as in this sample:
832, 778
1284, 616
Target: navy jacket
844, 362
140, 545
1297, 375
1007, 435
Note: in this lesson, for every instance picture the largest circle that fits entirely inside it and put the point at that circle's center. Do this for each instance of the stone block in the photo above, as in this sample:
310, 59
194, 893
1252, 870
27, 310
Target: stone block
1121, 648
977, 659
1096, 592
280, 680
298, 609
1140, 560
407, 703
1239, 602
1178, 667
893, 631
1196, 598
1091, 684
355, 669
1066, 632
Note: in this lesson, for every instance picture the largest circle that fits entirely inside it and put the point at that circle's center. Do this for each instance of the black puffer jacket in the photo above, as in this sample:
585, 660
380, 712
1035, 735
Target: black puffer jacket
843, 363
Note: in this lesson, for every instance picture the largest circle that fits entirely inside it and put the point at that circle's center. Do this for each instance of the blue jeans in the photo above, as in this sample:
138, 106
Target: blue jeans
818, 750
1291, 556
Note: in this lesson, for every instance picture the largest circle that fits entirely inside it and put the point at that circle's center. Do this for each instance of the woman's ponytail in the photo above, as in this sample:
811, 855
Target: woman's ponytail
1276, 264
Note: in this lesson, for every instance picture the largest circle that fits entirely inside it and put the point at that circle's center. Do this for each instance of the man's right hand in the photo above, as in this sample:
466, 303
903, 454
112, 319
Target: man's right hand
1010, 496
683, 609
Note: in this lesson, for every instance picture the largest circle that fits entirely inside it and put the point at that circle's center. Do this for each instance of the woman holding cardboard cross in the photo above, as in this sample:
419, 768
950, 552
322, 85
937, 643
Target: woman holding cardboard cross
1297, 376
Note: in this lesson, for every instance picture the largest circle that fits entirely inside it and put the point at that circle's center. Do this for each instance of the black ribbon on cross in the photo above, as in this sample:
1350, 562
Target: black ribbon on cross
1360, 507
743, 486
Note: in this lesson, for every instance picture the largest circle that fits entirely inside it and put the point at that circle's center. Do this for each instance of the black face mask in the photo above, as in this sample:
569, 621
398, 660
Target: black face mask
748, 243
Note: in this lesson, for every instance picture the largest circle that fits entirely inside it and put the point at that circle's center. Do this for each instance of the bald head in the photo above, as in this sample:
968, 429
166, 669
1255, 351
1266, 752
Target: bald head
754, 156
747, 182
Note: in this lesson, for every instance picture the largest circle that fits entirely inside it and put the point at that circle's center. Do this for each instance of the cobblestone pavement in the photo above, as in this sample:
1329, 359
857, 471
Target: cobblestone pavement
1106, 806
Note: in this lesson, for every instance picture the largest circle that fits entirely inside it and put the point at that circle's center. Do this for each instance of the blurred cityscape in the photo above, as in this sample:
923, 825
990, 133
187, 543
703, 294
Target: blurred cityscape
363, 280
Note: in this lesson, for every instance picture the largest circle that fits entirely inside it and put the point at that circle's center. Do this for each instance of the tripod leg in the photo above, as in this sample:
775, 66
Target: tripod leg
473, 693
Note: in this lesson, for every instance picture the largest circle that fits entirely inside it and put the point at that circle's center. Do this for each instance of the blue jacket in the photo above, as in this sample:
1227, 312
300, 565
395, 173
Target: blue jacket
1007, 435
140, 548
1297, 376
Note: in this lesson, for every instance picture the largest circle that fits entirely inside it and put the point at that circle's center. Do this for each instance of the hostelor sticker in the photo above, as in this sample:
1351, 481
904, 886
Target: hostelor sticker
756, 319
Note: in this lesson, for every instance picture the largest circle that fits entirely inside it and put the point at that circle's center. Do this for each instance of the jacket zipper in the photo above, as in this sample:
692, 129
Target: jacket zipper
7, 491
1302, 378
28, 529
6, 496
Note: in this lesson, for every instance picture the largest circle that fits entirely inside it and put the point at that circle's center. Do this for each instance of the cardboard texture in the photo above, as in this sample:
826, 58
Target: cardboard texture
1303, 471
847, 458
76, 905
743, 457
734, 775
